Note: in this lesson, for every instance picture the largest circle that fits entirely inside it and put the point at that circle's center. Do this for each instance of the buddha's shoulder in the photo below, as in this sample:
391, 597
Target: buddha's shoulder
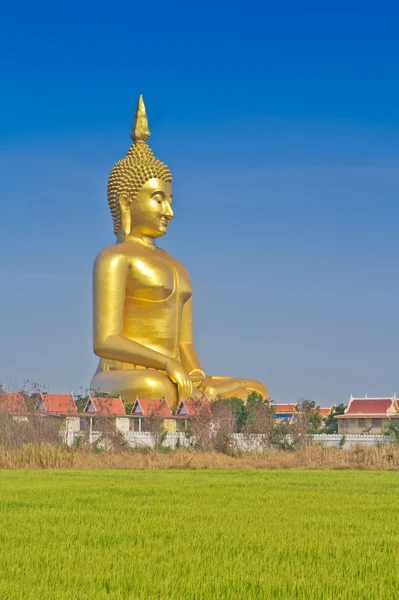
123, 250
179, 265
110, 251
117, 253
129, 252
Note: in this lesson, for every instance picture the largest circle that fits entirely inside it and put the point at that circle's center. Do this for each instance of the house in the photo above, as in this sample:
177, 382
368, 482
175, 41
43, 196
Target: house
286, 411
324, 412
367, 415
57, 404
146, 413
289, 411
191, 408
105, 408
61, 407
13, 404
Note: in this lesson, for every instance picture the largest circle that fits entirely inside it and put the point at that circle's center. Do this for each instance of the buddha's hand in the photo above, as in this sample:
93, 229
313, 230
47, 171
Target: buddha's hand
197, 376
178, 374
215, 387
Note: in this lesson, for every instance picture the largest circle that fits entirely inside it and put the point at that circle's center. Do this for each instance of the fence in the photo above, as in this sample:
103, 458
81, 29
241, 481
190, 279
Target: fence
241, 441
346, 441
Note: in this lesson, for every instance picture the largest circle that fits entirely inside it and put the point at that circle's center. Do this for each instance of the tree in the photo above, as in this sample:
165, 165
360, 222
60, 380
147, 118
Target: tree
31, 392
255, 405
81, 401
392, 429
331, 424
153, 423
310, 414
211, 425
237, 408
260, 416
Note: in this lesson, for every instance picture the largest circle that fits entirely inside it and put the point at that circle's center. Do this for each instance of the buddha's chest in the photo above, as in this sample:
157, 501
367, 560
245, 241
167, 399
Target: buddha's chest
156, 277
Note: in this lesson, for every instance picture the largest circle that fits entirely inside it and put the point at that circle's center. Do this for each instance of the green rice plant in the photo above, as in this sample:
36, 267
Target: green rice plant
198, 534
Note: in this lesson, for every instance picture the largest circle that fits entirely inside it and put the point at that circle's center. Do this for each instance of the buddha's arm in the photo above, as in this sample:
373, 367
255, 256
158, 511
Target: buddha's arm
190, 361
109, 287
188, 354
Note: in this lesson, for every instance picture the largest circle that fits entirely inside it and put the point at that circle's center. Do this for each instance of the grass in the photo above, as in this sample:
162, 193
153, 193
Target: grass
313, 456
212, 534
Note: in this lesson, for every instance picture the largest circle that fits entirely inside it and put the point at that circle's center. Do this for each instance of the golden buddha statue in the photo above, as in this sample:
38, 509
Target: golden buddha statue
143, 325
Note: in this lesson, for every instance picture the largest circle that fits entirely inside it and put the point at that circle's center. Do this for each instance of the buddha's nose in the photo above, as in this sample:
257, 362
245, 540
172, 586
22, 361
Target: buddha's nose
168, 211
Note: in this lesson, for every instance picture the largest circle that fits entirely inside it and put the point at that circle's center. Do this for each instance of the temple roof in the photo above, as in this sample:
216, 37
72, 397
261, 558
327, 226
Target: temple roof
151, 408
372, 407
369, 405
12, 403
106, 407
286, 408
62, 404
324, 412
193, 408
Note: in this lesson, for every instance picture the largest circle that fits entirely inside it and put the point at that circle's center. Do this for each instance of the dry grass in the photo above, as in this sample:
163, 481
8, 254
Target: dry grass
48, 456
309, 457
36, 456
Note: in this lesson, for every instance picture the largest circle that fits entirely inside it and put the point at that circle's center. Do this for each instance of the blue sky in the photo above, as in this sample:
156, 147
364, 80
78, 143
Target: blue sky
281, 128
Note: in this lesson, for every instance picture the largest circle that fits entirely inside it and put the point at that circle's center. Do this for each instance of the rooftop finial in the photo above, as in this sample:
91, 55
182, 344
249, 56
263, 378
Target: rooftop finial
140, 131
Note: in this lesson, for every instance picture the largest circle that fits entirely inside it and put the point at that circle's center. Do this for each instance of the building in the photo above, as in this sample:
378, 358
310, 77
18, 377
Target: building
324, 412
191, 408
61, 407
368, 415
148, 414
286, 411
98, 409
14, 405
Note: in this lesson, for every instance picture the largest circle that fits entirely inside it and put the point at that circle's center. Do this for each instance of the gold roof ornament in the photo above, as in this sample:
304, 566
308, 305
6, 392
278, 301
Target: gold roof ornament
139, 165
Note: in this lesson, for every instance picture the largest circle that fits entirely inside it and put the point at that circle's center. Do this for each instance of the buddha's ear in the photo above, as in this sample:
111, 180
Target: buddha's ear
126, 220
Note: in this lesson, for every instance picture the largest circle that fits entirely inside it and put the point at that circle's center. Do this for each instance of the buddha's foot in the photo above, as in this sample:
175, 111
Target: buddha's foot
225, 387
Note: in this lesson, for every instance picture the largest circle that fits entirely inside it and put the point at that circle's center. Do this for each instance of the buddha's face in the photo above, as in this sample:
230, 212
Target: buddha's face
151, 209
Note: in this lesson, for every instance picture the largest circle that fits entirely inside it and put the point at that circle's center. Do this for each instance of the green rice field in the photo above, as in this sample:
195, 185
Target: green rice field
110, 534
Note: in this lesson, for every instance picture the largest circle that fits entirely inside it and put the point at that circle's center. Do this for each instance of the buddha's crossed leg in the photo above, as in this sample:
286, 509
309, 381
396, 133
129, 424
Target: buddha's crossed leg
132, 383
153, 385
228, 386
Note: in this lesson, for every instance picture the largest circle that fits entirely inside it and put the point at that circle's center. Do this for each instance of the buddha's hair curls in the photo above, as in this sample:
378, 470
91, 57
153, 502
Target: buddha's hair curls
130, 174
139, 165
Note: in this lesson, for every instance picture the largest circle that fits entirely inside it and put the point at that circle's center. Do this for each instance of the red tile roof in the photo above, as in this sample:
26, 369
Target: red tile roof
285, 408
61, 404
12, 403
191, 408
369, 406
151, 408
324, 412
107, 407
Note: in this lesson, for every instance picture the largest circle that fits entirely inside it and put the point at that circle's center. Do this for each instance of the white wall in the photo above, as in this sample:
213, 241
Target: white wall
246, 443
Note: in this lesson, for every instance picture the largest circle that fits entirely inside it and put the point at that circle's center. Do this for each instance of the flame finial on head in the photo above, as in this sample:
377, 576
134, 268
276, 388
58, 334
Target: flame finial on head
140, 131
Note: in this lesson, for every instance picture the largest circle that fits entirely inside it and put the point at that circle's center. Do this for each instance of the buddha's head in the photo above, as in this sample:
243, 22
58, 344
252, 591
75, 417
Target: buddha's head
139, 187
